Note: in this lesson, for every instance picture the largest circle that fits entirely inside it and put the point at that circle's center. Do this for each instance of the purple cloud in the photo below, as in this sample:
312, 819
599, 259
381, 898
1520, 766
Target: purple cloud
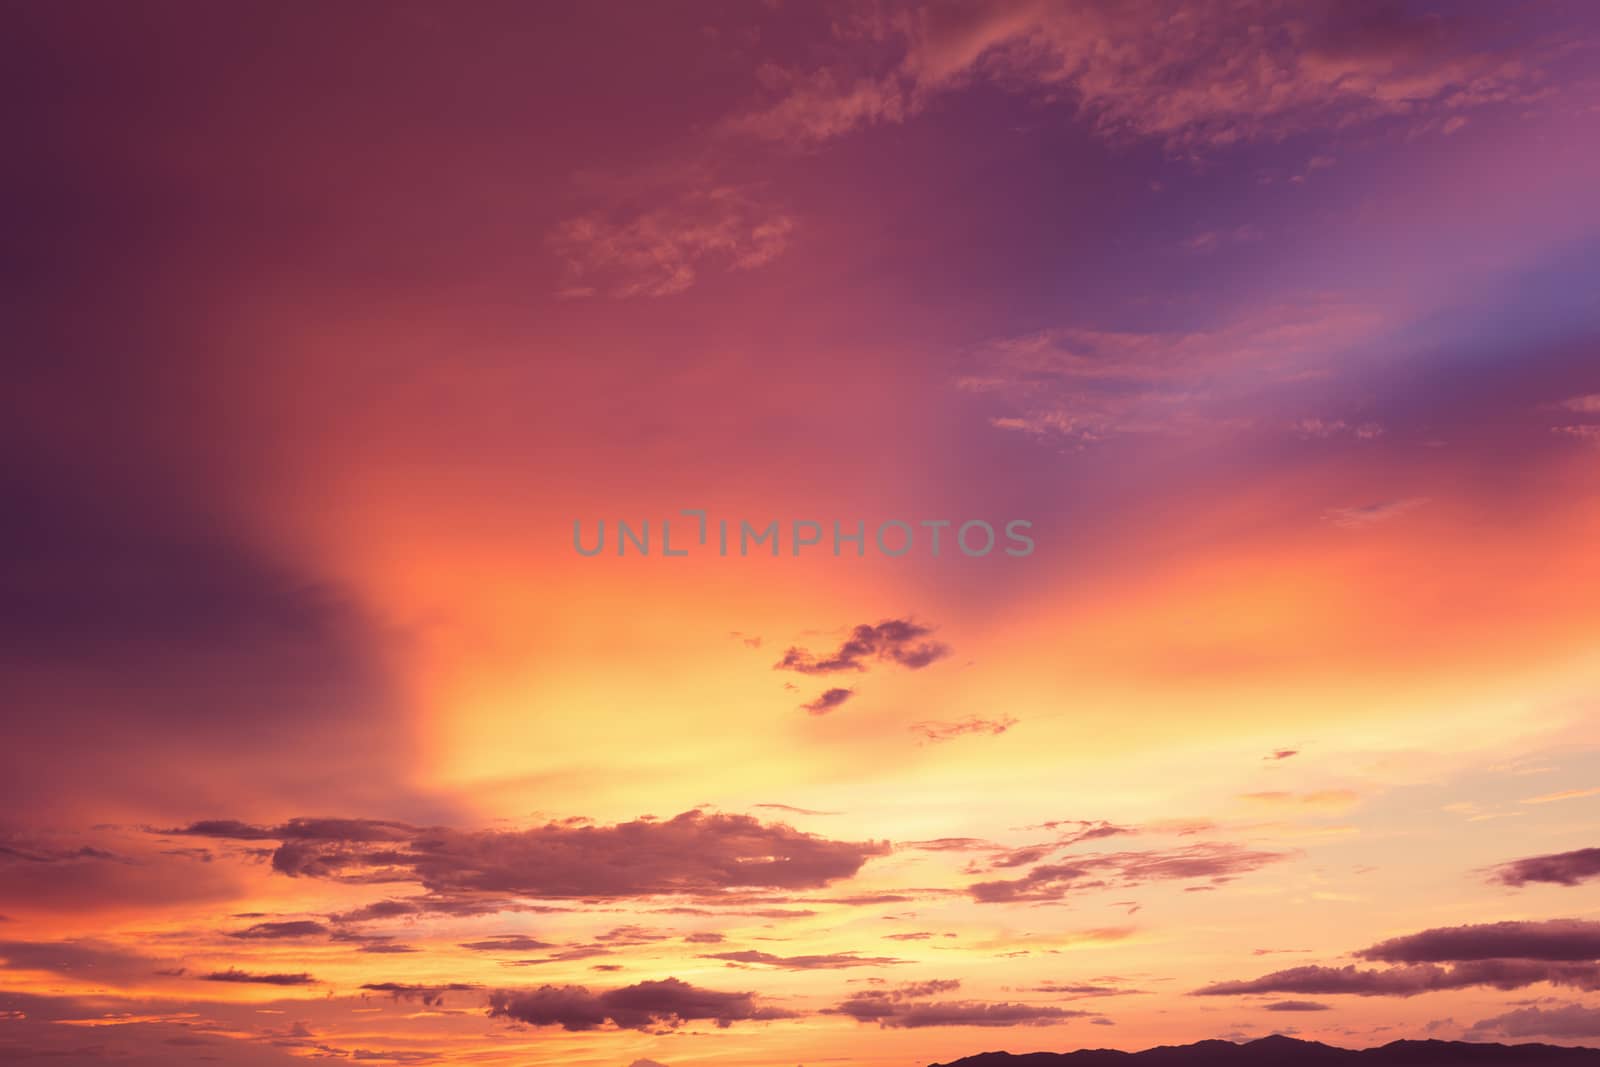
668, 1003
894, 640
1560, 868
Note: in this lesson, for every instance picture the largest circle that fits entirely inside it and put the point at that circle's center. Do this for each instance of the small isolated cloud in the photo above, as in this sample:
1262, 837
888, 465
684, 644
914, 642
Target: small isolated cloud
828, 701
1282, 754
935, 732
795, 810
1368, 514
429, 995
233, 974
665, 1004
1586, 405
831, 962
279, 930
1295, 1005
1565, 794
1322, 429
1559, 868
1330, 799
1218, 862
507, 943
661, 251
1589, 434
892, 640
910, 1007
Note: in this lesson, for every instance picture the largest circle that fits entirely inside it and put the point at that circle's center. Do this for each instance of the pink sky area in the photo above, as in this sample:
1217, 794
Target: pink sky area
1276, 320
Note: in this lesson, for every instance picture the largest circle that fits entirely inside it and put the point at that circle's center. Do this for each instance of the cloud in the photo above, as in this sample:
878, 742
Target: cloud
1587, 405
1560, 868
936, 732
1282, 754
660, 251
795, 810
1053, 881
355, 830
428, 995
1295, 1005
1369, 514
894, 640
1335, 799
1507, 955
1212, 75
279, 930
1565, 794
1589, 434
833, 961
1565, 1021
1556, 939
1084, 385
1410, 980
233, 974
907, 1007
668, 1003
1322, 429
828, 701
691, 853
507, 943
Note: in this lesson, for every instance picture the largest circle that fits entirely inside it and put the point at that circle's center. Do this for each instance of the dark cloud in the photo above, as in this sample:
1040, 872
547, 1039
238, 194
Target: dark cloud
1296, 1005
1053, 881
1411, 979
1075, 991
1281, 754
935, 732
233, 974
828, 701
15, 851
507, 943
1507, 955
668, 1003
893, 640
429, 995
277, 930
832, 961
1564, 1021
907, 1007
1560, 868
691, 853
1556, 939
363, 831
457, 906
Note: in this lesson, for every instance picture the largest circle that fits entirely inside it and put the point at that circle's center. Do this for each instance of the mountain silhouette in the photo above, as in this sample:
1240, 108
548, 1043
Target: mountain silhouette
1278, 1051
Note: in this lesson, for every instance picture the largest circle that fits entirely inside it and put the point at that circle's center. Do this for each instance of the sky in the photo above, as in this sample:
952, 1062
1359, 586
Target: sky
335, 332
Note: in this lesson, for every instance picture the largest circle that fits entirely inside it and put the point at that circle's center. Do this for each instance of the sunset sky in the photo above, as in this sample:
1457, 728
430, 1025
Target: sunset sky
1279, 322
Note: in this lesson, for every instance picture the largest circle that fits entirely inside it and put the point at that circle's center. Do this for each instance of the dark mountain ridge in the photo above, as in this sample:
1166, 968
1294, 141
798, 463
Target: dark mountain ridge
1278, 1051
